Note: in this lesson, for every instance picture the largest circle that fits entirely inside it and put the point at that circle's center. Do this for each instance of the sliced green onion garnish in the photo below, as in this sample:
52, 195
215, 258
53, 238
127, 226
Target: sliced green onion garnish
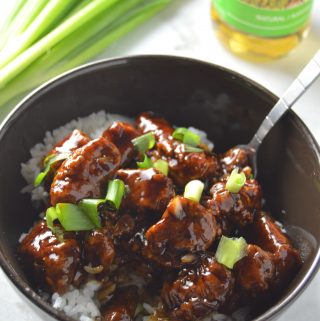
49, 160
191, 149
235, 181
162, 166
191, 139
193, 190
144, 142
179, 133
115, 193
90, 207
81, 217
52, 158
72, 218
51, 216
231, 250
146, 163
187, 136
41, 176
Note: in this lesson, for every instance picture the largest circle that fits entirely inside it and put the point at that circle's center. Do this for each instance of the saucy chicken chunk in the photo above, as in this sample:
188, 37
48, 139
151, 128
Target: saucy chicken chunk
150, 122
99, 249
265, 233
198, 290
255, 272
122, 306
85, 173
234, 157
184, 165
273, 262
121, 135
185, 227
149, 190
53, 261
71, 142
237, 208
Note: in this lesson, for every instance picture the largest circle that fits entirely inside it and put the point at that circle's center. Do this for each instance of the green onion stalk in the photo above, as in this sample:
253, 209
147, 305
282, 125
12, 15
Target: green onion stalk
235, 181
20, 40
115, 193
187, 136
72, 218
231, 250
193, 190
11, 20
87, 30
144, 142
146, 163
162, 166
48, 162
90, 208
84, 216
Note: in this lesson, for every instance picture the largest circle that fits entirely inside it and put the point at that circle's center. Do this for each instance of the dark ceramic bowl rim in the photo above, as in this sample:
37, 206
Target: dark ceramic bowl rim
10, 119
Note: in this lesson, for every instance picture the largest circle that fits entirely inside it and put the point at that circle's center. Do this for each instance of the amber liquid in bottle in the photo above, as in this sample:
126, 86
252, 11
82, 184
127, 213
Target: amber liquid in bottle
256, 48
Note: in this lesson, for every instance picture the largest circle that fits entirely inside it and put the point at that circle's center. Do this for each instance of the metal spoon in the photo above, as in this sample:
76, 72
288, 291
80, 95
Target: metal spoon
299, 86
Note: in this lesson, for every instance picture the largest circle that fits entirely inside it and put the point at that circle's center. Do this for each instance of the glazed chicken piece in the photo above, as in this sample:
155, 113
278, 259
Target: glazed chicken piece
74, 140
287, 261
234, 157
127, 230
187, 166
265, 233
129, 234
85, 173
186, 227
121, 134
238, 209
198, 290
255, 272
54, 263
122, 306
150, 122
183, 166
70, 143
149, 190
125, 225
165, 143
99, 249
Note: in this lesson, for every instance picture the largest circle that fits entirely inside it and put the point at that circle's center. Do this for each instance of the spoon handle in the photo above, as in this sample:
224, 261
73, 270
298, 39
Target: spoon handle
299, 86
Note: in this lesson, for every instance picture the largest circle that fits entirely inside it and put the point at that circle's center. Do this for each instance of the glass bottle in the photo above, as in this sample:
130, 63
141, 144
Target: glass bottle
261, 29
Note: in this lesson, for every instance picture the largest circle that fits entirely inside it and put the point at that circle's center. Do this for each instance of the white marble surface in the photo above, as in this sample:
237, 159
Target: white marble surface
185, 29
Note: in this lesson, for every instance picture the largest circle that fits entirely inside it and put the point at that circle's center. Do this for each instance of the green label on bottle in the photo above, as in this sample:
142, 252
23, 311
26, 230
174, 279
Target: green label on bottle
265, 18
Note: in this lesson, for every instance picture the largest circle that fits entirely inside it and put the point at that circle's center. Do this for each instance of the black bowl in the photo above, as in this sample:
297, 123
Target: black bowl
225, 104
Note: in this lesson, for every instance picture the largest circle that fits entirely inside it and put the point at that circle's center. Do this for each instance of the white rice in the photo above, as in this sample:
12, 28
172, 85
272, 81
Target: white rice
79, 303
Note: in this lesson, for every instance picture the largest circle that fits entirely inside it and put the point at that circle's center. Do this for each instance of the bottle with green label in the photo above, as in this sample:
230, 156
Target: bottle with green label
261, 29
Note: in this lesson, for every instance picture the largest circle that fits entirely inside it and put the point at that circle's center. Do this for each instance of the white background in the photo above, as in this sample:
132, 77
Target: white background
186, 29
